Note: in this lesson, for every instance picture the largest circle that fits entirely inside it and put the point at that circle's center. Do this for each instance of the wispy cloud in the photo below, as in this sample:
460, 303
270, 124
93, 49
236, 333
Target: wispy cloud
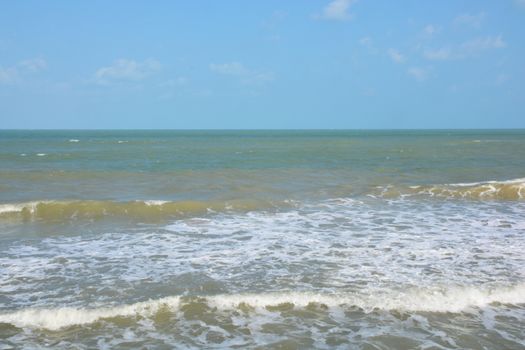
171, 88
482, 44
272, 24
245, 75
33, 64
273, 21
8, 75
126, 70
396, 56
470, 20
467, 49
418, 73
441, 54
179, 81
520, 3
15, 73
366, 41
337, 10
430, 30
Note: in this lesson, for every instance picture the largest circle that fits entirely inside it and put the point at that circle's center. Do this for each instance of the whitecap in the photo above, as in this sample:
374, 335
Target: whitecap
57, 318
452, 299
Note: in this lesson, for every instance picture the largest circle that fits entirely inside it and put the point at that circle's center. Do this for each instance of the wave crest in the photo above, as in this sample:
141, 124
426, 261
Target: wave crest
489, 190
454, 299
139, 209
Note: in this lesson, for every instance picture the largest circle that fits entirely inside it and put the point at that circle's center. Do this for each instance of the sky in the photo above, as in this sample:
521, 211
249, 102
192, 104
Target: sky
273, 64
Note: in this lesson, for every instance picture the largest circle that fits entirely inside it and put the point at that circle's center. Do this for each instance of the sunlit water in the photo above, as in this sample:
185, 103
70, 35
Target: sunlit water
288, 240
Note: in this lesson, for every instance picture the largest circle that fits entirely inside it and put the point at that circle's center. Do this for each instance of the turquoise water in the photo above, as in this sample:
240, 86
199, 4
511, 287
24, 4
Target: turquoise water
272, 239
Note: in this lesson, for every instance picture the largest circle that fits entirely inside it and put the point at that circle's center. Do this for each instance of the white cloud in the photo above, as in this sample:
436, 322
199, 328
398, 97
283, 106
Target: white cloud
179, 81
482, 44
34, 64
368, 43
239, 71
126, 70
430, 30
16, 73
470, 20
418, 73
467, 49
441, 54
337, 10
172, 88
233, 68
520, 3
8, 75
396, 56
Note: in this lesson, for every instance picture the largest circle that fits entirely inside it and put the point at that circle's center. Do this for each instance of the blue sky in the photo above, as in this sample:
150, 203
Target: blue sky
262, 64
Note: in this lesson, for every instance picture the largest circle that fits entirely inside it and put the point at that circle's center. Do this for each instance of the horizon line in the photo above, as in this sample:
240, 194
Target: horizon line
260, 129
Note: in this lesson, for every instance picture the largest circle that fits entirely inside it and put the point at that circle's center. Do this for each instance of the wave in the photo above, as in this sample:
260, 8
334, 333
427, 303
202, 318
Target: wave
488, 190
453, 300
138, 209
157, 209
54, 319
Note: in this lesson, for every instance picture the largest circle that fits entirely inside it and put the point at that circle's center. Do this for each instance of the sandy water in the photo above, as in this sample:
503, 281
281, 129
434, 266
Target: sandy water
283, 239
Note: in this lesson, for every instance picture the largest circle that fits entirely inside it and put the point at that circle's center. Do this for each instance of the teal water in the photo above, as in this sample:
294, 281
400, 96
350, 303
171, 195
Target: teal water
128, 165
262, 239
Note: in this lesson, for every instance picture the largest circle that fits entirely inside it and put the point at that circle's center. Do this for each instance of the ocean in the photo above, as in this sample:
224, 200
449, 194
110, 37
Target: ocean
262, 239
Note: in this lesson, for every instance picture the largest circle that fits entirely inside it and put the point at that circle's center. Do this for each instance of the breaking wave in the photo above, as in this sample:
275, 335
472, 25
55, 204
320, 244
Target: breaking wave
511, 190
139, 209
453, 300
489, 190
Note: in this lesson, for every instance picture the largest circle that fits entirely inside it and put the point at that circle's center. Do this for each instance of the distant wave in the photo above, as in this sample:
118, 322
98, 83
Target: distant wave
453, 299
512, 190
139, 209
489, 190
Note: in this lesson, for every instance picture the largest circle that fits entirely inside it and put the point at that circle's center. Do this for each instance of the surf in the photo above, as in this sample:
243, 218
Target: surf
146, 210
452, 299
507, 190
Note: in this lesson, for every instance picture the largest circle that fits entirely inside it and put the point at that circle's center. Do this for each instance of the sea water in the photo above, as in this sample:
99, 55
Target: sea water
262, 239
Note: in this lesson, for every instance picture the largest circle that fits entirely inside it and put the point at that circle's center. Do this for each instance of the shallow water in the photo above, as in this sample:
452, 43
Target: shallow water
259, 239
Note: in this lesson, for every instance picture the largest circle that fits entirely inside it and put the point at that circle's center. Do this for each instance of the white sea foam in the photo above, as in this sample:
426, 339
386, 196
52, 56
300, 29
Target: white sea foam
326, 245
10, 208
453, 299
18, 207
379, 268
154, 202
495, 182
513, 189
41, 154
33, 206
74, 140
54, 319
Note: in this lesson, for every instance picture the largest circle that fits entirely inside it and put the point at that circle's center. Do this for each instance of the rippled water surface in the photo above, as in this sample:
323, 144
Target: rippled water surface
262, 239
